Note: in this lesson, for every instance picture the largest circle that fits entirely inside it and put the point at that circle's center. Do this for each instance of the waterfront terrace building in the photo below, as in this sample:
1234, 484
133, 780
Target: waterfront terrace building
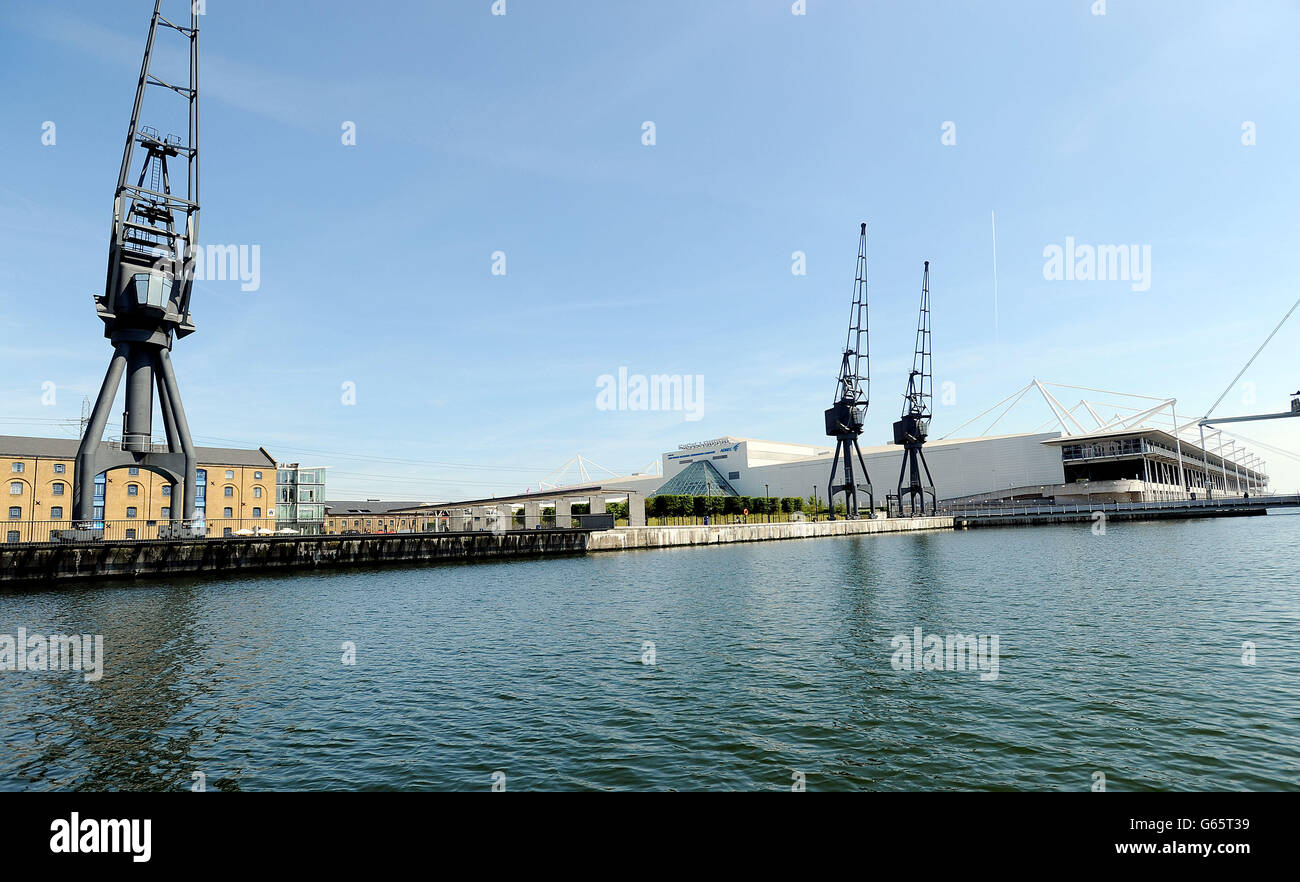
372, 516
235, 491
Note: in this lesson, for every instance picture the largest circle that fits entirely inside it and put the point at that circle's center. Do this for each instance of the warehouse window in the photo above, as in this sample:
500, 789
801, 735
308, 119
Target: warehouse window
167, 490
57, 487
133, 470
131, 511
733, 476
257, 512
229, 491
166, 512
56, 513
257, 476
15, 512
132, 489
18, 468
59, 468
13, 535
130, 534
230, 474
229, 512
16, 488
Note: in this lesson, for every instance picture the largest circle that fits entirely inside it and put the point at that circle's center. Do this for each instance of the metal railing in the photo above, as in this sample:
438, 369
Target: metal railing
1217, 502
133, 529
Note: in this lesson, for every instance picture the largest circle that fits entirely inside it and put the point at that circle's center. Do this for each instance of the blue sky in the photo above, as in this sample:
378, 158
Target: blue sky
775, 133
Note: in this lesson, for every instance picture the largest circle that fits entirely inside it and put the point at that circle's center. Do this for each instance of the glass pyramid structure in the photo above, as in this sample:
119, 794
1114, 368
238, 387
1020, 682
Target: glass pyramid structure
697, 479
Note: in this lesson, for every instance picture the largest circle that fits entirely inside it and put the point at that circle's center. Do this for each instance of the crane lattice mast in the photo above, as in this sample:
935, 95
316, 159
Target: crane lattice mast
912, 430
845, 418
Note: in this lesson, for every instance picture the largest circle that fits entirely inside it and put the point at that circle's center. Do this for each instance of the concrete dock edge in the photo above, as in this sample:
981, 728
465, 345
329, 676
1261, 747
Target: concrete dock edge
628, 538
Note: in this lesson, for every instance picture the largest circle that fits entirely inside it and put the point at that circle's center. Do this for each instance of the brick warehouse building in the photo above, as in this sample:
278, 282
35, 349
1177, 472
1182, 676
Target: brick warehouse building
236, 490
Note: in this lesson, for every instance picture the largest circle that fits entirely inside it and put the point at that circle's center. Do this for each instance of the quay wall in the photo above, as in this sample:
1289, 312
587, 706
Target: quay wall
44, 564
626, 538
49, 563
964, 522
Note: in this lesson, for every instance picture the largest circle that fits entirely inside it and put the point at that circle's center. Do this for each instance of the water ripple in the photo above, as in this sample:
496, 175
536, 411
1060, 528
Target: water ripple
1120, 654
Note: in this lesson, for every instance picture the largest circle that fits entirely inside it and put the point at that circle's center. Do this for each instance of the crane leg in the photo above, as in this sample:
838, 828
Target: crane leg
934, 495
901, 472
830, 488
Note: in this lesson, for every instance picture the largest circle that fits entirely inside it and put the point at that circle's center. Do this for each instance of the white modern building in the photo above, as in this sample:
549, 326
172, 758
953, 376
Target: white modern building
1131, 465
1128, 458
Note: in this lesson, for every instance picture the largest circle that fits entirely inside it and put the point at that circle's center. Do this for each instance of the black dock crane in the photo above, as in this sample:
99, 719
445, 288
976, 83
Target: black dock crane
844, 419
912, 429
145, 305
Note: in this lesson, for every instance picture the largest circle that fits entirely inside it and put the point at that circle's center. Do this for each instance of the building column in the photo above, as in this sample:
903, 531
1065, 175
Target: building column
597, 504
635, 510
1205, 462
478, 518
1178, 445
532, 515
563, 514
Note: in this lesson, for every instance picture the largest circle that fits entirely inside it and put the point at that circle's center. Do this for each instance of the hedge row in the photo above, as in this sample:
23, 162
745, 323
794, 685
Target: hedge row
668, 506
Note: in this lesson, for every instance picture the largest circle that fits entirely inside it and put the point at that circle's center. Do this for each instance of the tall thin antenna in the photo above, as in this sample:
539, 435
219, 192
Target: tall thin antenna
993, 216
